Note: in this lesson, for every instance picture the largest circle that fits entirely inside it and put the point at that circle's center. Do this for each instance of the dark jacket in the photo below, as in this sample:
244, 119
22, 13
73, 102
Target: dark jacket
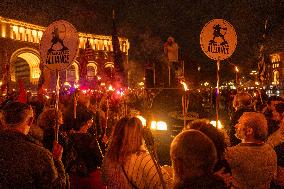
26, 165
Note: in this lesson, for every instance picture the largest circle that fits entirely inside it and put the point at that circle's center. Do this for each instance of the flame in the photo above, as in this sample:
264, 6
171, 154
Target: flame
184, 86
237, 69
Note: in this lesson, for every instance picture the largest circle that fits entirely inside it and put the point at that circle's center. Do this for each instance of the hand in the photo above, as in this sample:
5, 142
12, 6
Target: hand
57, 151
226, 177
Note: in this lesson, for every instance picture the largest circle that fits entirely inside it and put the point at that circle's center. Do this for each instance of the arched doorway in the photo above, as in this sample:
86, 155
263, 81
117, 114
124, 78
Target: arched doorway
24, 65
72, 73
91, 71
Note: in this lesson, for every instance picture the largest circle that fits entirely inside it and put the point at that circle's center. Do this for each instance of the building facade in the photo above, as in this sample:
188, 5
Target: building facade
276, 70
19, 52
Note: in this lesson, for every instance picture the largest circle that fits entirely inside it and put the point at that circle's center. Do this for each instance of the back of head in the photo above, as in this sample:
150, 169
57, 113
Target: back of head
212, 132
242, 99
257, 122
196, 152
116, 139
16, 113
132, 138
47, 119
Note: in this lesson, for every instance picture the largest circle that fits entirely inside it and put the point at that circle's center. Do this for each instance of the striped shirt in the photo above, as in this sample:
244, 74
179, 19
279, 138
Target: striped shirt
141, 171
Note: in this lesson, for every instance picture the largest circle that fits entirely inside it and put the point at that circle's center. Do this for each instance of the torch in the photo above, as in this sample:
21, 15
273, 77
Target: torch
184, 101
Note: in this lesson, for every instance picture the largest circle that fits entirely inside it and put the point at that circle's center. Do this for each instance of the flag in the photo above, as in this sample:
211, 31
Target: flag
261, 65
88, 55
22, 92
118, 60
261, 57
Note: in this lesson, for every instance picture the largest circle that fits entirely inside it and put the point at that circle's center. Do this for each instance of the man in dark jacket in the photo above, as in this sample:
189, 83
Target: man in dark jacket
24, 164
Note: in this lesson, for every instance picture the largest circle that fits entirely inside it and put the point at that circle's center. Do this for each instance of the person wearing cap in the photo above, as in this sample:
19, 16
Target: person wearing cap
24, 164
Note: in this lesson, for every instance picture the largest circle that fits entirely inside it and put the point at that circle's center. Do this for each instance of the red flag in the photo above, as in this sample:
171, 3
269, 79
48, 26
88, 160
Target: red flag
22, 92
118, 60
87, 56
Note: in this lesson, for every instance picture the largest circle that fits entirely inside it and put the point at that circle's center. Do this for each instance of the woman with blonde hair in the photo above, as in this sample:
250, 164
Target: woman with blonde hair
128, 155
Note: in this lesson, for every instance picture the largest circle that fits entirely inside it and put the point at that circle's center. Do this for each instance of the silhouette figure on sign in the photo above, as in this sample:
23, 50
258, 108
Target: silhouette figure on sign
56, 40
218, 33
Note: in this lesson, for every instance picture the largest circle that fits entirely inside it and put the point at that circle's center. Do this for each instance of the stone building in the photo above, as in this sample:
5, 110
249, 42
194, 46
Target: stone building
19, 50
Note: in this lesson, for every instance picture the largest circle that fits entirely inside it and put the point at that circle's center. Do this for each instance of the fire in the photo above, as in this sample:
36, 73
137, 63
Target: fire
184, 86
237, 69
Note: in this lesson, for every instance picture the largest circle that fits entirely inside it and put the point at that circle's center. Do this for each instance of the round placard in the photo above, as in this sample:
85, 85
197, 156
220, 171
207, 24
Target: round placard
218, 39
59, 45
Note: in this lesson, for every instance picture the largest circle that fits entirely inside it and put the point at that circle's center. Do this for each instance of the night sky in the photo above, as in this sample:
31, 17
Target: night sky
147, 24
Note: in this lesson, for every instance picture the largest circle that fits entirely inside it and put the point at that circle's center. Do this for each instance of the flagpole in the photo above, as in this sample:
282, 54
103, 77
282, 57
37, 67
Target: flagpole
57, 105
217, 93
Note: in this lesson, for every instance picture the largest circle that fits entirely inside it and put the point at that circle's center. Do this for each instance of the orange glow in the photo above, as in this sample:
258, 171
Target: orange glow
237, 69
184, 86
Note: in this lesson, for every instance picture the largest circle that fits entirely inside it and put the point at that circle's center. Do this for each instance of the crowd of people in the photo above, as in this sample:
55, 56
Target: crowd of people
74, 146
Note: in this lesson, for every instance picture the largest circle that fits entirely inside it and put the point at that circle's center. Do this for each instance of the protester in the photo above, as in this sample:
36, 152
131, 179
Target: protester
253, 162
24, 164
85, 171
193, 157
47, 122
128, 164
242, 103
218, 138
278, 117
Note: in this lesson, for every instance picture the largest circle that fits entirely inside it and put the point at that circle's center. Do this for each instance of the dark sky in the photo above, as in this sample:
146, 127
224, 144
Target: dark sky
182, 19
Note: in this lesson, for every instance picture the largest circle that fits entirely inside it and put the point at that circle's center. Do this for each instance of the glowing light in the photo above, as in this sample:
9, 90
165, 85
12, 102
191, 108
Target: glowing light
47, 97
154, 125
141, 84
76, 86
103, 84
206, 83
256, 83
184, 86
160, 125
99, 78
142, 119
237, 69
67, 84
110, 88
1, 83
220, 126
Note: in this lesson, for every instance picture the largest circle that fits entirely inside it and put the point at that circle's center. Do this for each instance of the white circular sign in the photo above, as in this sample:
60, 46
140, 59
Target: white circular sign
59, 45
218, 39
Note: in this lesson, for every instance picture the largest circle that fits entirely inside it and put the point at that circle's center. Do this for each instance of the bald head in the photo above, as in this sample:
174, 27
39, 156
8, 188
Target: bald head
192, 152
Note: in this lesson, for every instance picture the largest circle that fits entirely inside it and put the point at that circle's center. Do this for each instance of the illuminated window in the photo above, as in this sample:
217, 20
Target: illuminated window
275, 78
91, 72
21, 33
3, 28
275, 58
39, 35
71, 74
95, 44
